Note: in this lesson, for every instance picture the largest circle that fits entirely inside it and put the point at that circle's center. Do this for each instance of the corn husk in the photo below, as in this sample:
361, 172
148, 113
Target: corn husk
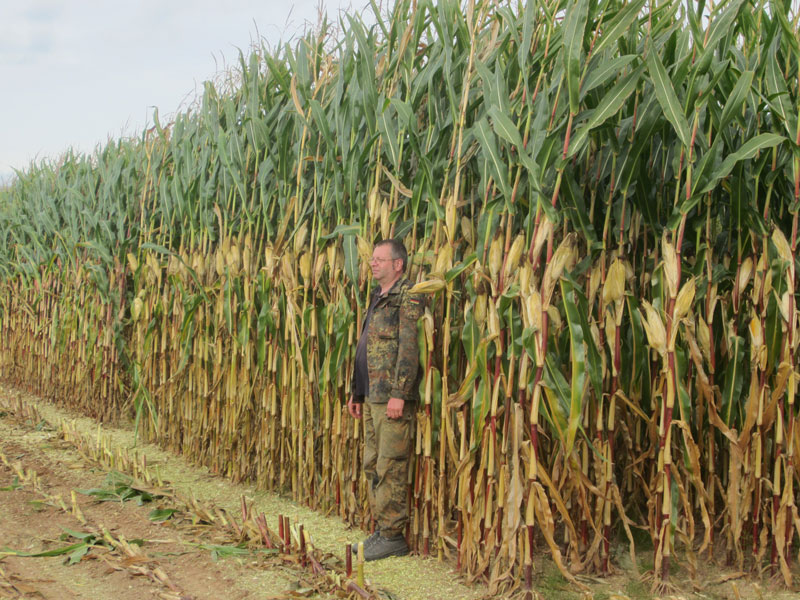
670, 262
683, 303
480, 308
514, 254
784, 250
495, 258
468, 231
654, 328
614, 286
429, 286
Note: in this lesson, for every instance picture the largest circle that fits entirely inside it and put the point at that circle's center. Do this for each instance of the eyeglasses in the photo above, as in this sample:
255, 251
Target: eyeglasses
375, 259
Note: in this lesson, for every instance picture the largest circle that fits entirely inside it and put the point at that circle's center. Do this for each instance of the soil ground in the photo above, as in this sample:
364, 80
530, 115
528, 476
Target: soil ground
128, 556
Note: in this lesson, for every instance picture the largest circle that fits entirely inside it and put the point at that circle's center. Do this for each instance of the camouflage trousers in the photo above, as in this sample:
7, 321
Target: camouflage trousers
387, 447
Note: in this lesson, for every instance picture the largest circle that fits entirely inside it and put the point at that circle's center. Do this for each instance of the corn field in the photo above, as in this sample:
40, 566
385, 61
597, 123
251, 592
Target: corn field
600, 200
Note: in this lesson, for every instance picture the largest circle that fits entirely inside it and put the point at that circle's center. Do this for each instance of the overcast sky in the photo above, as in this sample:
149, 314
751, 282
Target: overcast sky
76, 72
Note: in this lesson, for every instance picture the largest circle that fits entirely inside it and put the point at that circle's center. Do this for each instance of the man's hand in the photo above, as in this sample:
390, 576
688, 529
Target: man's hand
354, 408
394, 408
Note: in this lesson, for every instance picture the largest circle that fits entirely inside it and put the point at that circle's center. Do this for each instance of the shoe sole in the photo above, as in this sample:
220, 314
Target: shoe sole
354, 547
387, 555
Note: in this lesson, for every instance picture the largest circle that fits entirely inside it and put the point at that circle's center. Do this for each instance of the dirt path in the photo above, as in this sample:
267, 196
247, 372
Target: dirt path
55, 467
174, 560
46, 508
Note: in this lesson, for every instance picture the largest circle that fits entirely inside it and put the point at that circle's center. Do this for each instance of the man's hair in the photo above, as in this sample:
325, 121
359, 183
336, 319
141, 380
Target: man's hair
399, 251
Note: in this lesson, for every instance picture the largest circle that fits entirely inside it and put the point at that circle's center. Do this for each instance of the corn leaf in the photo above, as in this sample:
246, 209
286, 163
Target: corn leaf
577, 363
574, 27
602, 69
497, 167
748, 150
609, 106
734, 381
54, 552
736, 99
779, 97
619, 24
665, 93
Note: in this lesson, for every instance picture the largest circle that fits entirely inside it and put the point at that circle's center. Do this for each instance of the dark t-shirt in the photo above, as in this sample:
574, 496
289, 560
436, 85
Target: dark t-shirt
361, 373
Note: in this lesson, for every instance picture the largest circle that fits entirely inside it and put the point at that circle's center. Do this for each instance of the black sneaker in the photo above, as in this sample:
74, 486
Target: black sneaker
386, 547
367, 543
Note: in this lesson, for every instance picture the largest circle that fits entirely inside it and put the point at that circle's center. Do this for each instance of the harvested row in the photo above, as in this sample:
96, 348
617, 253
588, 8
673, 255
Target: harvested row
600, 200
198, 525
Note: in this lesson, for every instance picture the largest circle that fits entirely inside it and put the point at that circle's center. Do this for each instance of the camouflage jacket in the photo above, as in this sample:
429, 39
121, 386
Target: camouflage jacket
392, 350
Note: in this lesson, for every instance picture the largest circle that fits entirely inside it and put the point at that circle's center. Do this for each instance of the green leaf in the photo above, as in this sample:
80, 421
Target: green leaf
629, 164
497, 167
779, 10
78, 535
322, 122
264, 321
344, 229
54, 552
388, 128
405, 114
574, 26
76, 555
684, 402
773, 330
572, 200
159, 515
481, 402
529, 343
577, 364
779, 97
603, 70
702, 170
736, 98
721, 26
506, 129
460, 268
666, 96
524, 52
635, 347
613, 30
100, 494
748, 150
609, 105
594, 363
557, 394
734, 379
351, 259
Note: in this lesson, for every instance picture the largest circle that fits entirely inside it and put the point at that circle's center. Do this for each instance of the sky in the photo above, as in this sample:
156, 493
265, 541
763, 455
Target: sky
77, 73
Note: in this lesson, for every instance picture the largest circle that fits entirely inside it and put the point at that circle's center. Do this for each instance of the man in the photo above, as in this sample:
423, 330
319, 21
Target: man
384, 392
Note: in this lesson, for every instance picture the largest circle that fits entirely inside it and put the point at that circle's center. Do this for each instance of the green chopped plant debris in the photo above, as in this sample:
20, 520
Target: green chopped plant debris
54, 552
37, 505
119, 487
74, 552
159, 515
218, 552
85, 537
15, 485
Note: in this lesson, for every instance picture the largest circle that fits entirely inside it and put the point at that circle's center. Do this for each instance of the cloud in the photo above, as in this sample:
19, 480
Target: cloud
26, 31
81, 71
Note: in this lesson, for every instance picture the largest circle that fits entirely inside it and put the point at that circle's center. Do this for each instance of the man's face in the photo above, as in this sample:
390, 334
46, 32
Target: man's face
384, 266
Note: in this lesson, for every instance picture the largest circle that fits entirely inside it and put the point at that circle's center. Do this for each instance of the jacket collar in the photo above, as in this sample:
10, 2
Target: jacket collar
395, 289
